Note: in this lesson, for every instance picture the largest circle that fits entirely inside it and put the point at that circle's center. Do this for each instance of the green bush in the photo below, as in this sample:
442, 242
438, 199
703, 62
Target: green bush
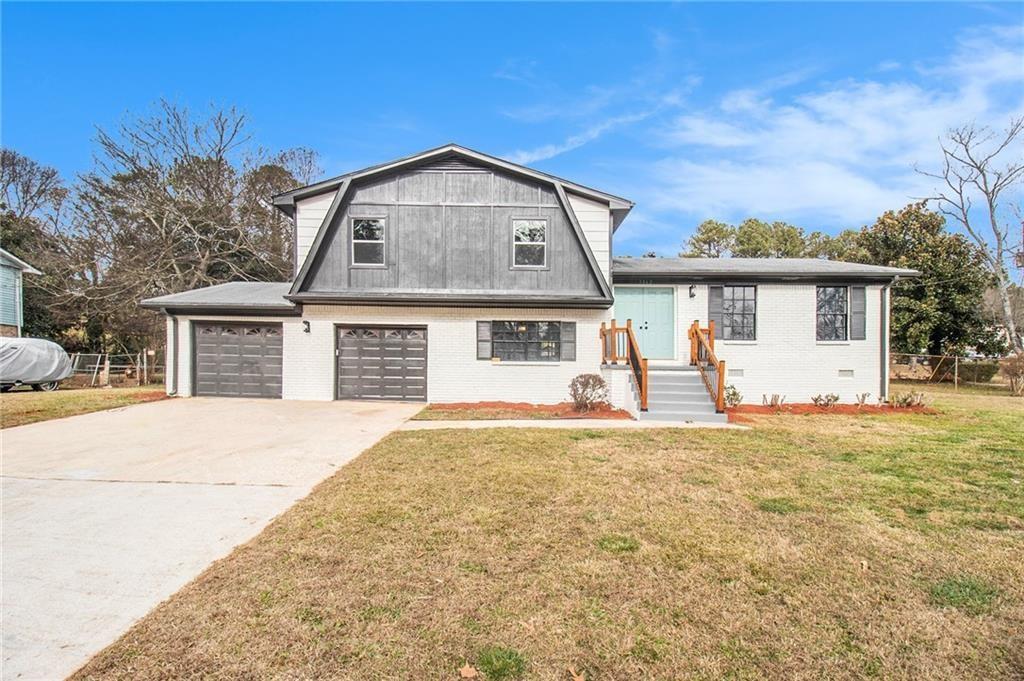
970, 371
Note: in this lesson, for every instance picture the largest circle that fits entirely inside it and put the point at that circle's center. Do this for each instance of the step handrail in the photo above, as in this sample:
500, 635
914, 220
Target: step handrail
712, 369
619, 343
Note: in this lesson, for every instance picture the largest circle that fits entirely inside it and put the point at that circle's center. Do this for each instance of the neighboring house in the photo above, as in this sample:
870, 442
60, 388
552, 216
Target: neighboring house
12, 312
452, 275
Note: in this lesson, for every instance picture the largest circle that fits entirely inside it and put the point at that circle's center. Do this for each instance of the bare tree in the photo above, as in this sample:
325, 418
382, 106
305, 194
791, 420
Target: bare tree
174, 202
975, 179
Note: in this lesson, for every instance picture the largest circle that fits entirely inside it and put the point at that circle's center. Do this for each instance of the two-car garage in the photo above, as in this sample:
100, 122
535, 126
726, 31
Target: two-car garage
371, 362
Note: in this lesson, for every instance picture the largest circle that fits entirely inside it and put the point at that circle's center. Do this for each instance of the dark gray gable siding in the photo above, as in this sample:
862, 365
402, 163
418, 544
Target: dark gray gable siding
448, 229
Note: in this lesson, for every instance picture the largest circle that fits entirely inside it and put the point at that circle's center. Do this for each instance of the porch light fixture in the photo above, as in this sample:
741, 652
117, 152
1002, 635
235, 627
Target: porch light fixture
305, 326
693, 291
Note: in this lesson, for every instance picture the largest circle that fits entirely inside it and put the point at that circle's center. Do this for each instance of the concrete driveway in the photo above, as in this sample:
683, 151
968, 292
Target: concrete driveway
107, 514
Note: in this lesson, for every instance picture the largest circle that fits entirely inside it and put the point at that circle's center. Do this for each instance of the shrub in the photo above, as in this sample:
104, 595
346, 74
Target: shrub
588, 391
909, 399
826, 401
733, 397
970, 371
862, 399
1013, 369
776, 401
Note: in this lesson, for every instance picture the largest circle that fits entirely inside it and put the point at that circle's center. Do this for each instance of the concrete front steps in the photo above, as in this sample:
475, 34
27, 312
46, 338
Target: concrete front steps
677, 394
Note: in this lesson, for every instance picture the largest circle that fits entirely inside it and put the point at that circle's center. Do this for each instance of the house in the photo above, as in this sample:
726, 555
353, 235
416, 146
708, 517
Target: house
12, 306
452, 275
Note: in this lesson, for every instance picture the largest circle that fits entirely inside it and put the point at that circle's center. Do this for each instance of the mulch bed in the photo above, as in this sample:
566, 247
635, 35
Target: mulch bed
563, 410
737, 414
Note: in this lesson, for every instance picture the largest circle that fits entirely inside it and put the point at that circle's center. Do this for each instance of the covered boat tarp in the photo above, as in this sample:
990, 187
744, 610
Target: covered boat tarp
32, 360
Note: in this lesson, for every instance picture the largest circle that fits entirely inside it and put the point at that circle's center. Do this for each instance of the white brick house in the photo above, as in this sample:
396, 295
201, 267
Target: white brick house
456, 276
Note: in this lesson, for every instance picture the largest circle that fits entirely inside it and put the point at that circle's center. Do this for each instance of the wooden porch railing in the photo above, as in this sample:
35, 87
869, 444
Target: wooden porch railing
712, 369
618, 344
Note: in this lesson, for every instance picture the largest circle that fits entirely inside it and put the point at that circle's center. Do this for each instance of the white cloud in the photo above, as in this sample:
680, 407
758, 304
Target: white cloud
575, 141
842, 151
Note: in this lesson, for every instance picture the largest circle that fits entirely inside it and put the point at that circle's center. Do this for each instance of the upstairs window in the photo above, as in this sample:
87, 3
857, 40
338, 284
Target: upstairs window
368, 242
833, 313
529, 243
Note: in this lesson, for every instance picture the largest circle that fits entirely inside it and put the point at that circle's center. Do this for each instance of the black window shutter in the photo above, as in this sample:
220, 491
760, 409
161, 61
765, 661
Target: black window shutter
715, 308
858, 313
483, 340
568, 338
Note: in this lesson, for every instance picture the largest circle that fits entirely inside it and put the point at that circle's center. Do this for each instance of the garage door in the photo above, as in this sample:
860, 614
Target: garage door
237, 360
377, 363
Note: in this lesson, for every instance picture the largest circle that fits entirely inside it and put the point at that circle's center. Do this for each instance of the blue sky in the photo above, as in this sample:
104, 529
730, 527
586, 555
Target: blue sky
810, 113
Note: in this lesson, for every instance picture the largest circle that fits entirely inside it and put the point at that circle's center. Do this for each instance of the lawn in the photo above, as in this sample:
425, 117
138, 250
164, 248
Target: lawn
20, 407
807, 547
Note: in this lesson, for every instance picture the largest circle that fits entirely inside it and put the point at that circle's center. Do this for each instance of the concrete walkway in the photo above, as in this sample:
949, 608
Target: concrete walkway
587, 424
105, 515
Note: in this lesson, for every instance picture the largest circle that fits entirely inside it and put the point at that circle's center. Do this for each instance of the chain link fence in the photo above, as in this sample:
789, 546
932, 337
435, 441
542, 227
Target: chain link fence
944, 369
96, 370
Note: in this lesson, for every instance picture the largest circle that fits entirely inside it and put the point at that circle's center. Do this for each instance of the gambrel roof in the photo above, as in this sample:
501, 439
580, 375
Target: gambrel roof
285, 201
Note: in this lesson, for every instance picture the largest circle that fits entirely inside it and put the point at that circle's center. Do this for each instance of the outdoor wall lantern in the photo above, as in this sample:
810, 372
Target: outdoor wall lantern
305, 326
693, 291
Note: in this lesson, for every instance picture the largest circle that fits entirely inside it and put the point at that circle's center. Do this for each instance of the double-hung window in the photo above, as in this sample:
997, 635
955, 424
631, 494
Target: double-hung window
511, 341
529, 243
833, 313
739, 312
368, 242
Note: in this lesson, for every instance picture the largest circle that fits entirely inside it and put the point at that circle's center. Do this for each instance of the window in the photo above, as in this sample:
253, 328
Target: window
368, 241
526, 341
739, 312
832, 313
529, 243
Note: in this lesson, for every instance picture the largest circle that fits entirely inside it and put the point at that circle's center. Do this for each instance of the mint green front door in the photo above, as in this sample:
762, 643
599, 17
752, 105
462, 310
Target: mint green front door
652, 309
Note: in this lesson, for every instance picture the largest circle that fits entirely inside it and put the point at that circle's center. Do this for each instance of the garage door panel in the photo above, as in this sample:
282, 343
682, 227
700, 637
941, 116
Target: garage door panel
382, 363
238, 359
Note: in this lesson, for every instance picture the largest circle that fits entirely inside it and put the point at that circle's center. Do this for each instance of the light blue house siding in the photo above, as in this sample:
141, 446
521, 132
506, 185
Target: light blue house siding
10, 295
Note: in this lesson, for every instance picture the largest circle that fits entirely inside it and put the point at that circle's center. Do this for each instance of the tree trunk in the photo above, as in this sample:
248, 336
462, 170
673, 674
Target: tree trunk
1003, 286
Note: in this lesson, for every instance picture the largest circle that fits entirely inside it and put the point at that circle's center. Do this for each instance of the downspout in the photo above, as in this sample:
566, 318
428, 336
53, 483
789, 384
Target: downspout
884, 327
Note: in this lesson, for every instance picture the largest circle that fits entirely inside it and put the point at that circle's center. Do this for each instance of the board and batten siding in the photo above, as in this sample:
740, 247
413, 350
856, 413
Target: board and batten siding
309, 215
595, 219
10, 296
449, 230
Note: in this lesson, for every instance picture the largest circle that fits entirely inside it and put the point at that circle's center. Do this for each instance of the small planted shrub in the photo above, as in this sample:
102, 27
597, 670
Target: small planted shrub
907, 400
775, 401
588, 391
498, 663
826, 401
733, 397
1013, 369
862, 399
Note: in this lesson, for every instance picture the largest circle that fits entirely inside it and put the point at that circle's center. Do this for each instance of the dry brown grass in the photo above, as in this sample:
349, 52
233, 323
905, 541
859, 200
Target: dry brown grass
809, 547
23, 406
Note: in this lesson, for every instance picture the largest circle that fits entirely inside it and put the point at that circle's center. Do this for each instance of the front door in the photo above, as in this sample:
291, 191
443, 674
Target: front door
652, 309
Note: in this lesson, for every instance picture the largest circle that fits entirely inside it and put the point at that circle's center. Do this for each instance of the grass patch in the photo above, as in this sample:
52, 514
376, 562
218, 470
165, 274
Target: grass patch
964, 592
780, 505
618, 543
21, 407
636, 554
497, 663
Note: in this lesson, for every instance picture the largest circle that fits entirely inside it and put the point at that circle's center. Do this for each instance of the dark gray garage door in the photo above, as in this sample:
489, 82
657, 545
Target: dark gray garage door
376, 363
237, 360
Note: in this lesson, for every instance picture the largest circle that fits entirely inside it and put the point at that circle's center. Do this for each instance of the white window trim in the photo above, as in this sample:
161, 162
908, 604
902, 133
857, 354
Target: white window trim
512, 236
383, 241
